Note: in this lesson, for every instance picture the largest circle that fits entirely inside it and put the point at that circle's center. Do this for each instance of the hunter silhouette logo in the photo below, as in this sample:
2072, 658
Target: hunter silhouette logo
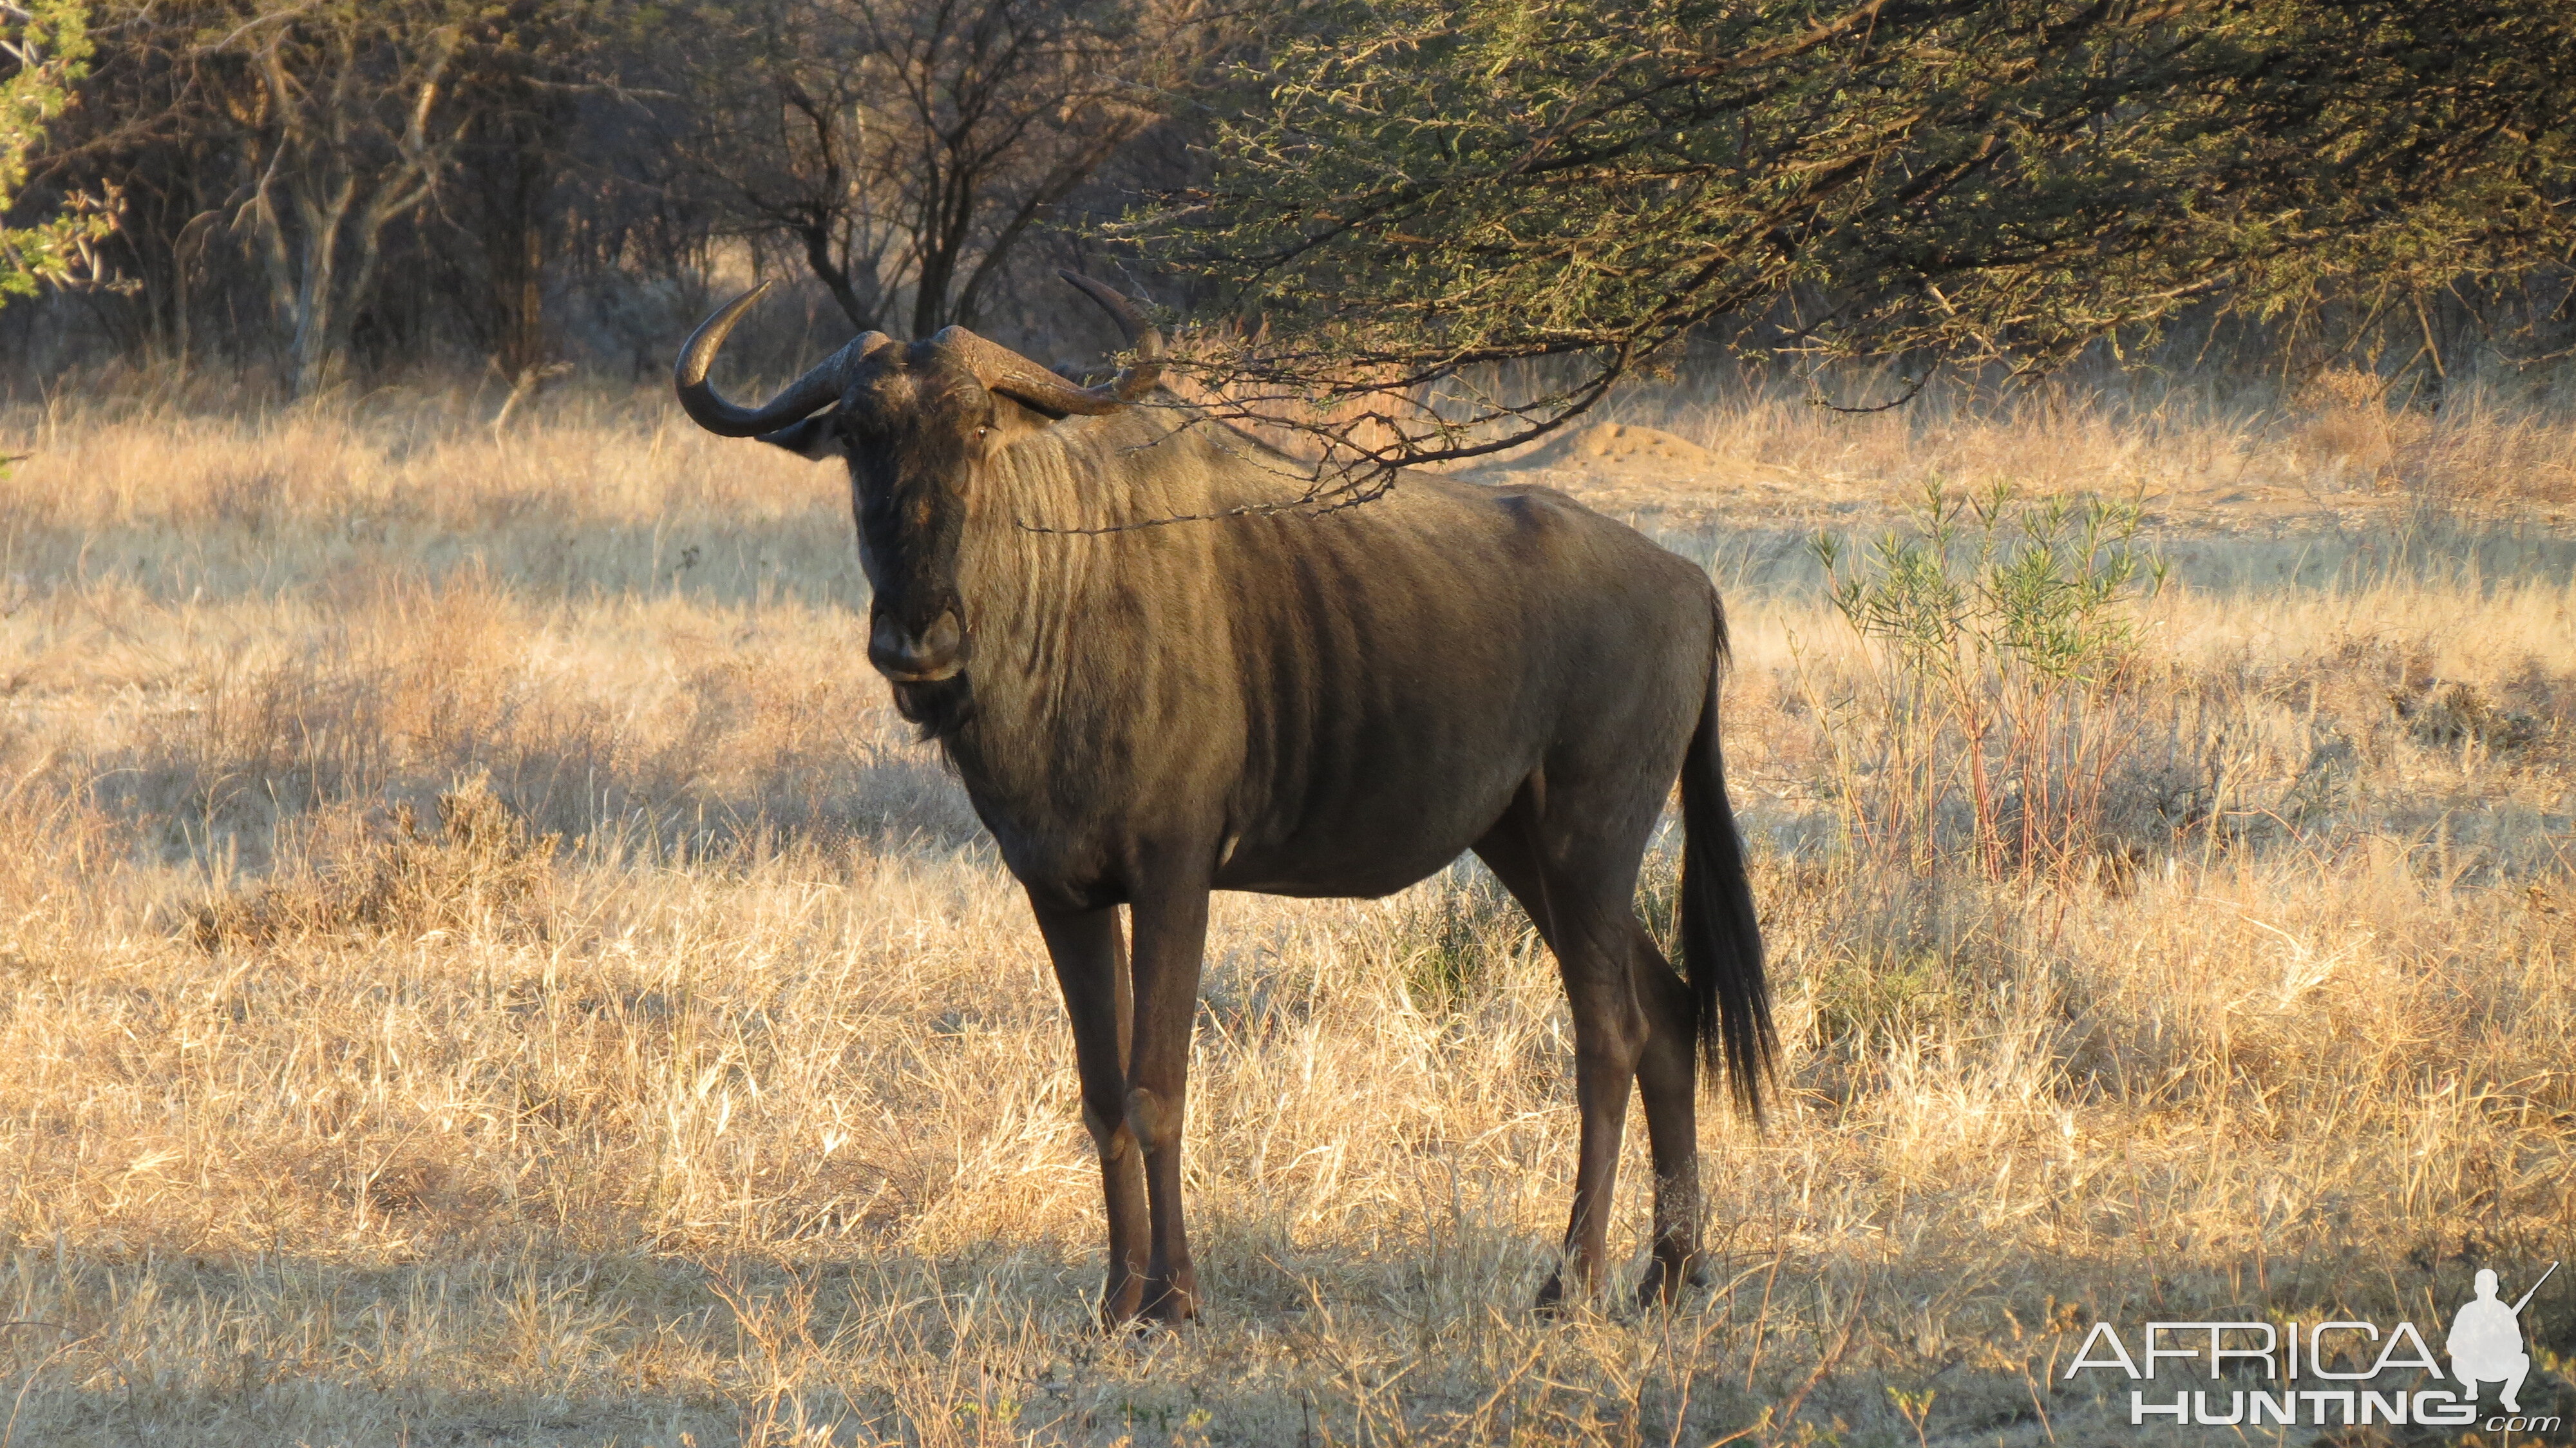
2326, 1374
2486, 1340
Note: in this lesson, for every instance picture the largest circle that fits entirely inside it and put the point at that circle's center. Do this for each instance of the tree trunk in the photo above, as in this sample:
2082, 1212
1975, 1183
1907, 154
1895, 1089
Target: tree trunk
313, 312
817, 236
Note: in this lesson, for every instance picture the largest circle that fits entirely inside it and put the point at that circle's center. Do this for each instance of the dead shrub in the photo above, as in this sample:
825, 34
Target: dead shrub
2349, 431
480, 869
2443, 713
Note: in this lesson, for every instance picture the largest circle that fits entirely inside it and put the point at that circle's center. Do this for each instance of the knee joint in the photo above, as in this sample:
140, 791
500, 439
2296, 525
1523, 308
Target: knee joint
1108, 1132
1156, 1122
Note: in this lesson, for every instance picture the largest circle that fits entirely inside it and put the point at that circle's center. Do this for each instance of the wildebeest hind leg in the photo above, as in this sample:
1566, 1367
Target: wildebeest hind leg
1668, 1079
1090, 954
1585, 920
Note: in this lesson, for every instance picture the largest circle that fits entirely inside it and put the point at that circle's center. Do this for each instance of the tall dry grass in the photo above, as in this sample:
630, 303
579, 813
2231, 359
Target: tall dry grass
2188, 445
480, 963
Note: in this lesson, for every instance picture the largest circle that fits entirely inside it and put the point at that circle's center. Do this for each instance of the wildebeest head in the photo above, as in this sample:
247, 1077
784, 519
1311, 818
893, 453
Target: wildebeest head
916, 424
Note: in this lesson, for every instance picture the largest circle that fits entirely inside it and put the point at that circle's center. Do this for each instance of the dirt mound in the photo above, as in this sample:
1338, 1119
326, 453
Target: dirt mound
1626, 449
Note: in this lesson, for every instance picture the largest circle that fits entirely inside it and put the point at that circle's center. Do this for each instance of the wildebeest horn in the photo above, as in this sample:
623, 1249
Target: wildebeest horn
1133, 382
817, 389
1007, 372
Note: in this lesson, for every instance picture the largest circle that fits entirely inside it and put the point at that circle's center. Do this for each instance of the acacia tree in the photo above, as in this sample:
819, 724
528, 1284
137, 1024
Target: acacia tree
360, 173
353, 124
44, 46
1434, 186
302, 135
905, 149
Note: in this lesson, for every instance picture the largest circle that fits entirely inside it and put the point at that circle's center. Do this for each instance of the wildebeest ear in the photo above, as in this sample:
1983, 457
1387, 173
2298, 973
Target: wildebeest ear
813, 438
1014, 419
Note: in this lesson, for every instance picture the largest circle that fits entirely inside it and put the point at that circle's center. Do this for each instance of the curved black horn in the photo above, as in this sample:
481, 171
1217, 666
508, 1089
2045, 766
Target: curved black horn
1133, 382
1007, 372
817, 389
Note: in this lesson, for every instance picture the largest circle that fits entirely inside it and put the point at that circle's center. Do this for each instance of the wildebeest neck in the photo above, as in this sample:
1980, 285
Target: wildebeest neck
1091, 643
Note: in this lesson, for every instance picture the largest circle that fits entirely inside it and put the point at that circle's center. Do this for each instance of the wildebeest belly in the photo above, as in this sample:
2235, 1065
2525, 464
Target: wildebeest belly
1316, 822
1373, 840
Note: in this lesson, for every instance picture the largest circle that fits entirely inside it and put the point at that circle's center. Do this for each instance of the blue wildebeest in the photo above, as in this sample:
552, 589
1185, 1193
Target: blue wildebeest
1299, 704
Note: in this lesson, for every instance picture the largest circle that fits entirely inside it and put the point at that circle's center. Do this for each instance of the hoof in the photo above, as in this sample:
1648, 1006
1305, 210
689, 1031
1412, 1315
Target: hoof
1662, 1286
1551, 1298
1120, 1302
1171, 1304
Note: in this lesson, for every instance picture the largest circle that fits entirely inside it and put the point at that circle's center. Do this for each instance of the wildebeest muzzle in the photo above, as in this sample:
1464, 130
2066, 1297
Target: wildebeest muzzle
926, 656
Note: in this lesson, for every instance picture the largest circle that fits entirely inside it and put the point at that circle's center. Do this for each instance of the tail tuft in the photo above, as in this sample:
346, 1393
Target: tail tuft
1721, 940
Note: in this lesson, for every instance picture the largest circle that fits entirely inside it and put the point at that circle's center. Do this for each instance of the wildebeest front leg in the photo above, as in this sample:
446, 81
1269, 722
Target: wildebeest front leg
1171, 934
1091, 966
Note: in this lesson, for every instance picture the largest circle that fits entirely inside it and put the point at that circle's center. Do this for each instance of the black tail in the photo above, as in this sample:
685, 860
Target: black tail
1721, 943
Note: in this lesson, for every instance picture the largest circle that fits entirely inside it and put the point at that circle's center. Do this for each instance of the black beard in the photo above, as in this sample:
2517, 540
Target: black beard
940, 707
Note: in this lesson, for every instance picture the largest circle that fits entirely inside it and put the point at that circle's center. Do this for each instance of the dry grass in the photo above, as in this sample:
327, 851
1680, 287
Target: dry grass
479, 962
2191, 448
